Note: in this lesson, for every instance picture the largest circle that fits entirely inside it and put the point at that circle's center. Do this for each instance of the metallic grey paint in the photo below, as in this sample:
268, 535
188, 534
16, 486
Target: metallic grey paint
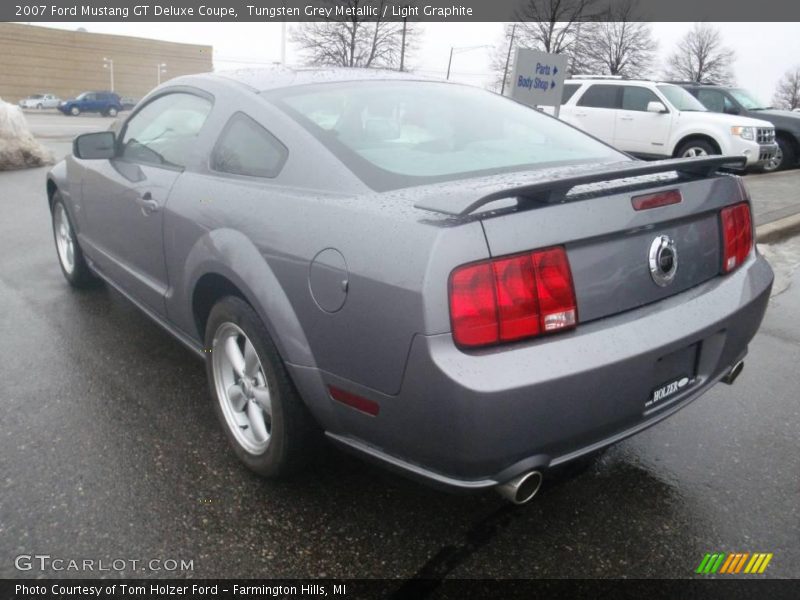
371, 316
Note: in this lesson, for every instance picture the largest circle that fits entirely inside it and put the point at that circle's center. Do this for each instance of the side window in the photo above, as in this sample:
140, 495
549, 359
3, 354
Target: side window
90, 97
712, 99
730, 107
164, 130
600, 96
246, 148
569, 91
637, 98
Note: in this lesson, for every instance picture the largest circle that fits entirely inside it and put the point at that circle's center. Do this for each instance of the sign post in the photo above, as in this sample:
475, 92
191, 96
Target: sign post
538, 78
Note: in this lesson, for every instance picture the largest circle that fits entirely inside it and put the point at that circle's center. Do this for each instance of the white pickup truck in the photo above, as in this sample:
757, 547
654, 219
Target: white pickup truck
657, 120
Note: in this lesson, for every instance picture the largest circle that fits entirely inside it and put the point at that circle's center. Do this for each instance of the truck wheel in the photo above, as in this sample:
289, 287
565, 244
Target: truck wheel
696, 148
74, 111
39, 107
70, 257
265, 420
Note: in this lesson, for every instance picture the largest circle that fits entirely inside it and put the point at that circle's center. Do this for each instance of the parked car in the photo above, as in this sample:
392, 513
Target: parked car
652, 119
467, 301
40, 101
738, 101
128, 103
105, 103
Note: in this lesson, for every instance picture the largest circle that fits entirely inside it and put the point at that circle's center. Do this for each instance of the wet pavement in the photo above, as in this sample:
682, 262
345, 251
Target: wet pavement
109, 449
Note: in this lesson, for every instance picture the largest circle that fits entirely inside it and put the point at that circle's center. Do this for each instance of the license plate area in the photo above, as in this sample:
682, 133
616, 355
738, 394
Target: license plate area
675, 372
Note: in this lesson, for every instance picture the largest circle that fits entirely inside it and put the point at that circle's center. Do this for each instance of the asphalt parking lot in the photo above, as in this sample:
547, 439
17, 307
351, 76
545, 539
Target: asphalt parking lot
109, 448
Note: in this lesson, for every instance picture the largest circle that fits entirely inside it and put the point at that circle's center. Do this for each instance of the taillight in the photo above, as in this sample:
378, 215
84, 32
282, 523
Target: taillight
512, 298
737, 235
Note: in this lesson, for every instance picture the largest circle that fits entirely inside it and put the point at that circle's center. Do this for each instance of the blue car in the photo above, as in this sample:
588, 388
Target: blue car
105, 103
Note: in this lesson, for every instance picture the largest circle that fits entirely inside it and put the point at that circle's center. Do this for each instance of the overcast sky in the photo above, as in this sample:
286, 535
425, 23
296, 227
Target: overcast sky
764, 51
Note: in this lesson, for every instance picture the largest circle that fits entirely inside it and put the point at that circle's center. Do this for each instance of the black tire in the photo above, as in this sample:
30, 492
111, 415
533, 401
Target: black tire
294, 436
112, 112
39, 107
74, 111
81, 275
789, 156
701, 146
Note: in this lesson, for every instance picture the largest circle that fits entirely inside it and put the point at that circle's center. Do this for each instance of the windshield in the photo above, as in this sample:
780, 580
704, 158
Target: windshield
83, 96
681, 99
747, 100
398, 134
36, 96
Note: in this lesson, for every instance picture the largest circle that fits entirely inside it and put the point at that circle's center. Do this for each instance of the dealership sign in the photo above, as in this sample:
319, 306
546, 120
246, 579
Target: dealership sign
538, 77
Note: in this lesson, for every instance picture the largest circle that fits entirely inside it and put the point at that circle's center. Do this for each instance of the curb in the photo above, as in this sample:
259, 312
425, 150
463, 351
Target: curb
770, 233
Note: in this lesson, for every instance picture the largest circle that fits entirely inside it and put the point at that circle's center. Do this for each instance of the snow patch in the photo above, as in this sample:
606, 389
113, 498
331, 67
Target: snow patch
18, 148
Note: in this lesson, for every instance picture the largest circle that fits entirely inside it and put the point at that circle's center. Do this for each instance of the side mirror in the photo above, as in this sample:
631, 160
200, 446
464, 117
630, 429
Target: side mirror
95, 145
656, 107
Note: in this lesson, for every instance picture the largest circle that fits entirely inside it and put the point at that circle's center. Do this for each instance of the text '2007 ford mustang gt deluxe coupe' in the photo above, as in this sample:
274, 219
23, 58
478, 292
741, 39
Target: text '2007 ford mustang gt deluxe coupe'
460, 287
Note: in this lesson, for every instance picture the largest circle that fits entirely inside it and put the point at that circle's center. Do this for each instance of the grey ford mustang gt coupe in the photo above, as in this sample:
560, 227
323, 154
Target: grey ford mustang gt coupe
436, 277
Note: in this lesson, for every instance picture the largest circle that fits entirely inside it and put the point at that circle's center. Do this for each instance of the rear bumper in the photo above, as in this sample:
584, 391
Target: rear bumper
473, 420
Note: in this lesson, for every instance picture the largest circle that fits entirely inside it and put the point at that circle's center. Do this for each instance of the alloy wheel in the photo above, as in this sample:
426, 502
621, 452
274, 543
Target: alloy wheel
773, 163
694, 151
242, 388
65, 243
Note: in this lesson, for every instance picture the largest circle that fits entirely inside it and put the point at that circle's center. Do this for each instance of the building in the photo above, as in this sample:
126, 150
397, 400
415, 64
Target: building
66, 63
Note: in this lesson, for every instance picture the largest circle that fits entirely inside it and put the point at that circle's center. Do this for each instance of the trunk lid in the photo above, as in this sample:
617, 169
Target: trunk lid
608, 243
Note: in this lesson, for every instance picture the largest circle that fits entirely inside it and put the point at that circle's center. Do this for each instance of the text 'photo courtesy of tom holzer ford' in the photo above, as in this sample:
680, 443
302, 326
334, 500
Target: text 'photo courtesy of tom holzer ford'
392, 299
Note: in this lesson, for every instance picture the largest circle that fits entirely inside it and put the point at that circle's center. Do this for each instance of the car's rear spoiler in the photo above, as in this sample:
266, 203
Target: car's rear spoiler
553, 186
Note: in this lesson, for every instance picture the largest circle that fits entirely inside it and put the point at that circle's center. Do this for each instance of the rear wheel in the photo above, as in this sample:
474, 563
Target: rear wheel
70, 257
265, 420
112, 112
696, 148
39, 107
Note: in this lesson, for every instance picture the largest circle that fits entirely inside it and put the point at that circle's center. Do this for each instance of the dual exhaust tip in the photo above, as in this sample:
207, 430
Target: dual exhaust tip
521, 489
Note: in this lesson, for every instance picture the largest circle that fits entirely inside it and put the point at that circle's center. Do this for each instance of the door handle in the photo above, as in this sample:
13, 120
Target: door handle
626, 118
580, 114
149, 206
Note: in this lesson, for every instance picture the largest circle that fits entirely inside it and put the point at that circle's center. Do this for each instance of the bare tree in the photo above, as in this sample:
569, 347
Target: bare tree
354, 40
547, 25
616, 44
701, 56
787, 95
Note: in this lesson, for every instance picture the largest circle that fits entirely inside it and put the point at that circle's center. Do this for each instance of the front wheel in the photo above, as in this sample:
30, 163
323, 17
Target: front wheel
784, 157
74, 111
70, 257
264, 419
39, 107
696, 148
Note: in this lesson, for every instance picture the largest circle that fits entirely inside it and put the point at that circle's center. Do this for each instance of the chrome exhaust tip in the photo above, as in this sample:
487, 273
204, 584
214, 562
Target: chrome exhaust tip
735, 371
521, 489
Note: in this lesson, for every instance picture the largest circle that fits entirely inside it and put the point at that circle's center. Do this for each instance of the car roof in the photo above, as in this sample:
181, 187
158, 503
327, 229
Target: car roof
615, 81
282, 77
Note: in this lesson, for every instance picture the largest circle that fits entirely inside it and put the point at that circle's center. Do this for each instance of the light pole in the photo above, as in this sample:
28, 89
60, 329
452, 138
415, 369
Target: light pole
161, 69
108, 63
508, 59
454, 50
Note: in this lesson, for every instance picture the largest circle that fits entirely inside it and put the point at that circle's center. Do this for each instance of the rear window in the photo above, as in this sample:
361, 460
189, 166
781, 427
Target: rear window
398, 134
246, 148
600, 96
